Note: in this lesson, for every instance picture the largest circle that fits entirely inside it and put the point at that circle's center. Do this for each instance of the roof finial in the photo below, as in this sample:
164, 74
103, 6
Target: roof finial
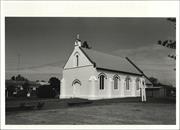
78, 41
78, 36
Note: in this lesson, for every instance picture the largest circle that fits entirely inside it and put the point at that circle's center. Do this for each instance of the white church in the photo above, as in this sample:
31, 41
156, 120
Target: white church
94, 75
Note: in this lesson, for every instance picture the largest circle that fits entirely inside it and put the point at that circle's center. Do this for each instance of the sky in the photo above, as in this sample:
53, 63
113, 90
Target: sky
43, 44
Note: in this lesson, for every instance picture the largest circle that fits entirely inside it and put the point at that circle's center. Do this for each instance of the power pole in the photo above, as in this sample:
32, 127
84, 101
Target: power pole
18, 66
143, 88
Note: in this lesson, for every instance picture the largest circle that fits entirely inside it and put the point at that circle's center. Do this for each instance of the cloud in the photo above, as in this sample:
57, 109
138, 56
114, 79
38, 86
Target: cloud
39, 70
153, 60
153, 54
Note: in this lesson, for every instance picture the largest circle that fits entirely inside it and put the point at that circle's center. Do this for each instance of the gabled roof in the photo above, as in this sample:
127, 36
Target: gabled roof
109, 62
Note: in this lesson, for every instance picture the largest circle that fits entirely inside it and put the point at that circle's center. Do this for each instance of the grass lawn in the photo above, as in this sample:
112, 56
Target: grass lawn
119, 113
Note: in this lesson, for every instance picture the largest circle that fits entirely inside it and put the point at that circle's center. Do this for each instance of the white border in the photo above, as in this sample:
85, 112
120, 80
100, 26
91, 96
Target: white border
91, 8
87, 9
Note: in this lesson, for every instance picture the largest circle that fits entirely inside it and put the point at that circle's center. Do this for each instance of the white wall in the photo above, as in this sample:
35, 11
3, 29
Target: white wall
71, 72
83, 74
88, 76
89, 91
83, 60
110, 92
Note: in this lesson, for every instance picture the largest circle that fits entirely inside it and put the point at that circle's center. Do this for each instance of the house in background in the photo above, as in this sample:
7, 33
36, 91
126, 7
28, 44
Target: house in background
42, 82
16, 88
159, 90
12, 87
91, 74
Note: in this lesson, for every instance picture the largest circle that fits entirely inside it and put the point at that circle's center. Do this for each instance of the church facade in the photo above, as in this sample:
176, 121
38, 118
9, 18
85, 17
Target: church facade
93, 75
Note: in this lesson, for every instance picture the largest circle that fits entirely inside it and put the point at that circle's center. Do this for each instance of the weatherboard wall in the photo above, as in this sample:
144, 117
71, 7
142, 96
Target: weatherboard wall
81, 80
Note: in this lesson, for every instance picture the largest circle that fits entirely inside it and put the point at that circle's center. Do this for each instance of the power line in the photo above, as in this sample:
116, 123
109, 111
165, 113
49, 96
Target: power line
63, 61
38, 66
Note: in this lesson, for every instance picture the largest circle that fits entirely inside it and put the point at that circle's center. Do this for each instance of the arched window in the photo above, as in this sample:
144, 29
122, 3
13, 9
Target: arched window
76, 81
116, 79
128, 79
137, 83
101, 77
77, 60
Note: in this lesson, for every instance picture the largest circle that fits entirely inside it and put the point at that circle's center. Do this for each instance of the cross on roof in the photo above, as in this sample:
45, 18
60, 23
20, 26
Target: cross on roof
77, 36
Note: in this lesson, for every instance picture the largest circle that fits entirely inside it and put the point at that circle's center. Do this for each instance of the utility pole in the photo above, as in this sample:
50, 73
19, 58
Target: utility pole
143, 88
18, 66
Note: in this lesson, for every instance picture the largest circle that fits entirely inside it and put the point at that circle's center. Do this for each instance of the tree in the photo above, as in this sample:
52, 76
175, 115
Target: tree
20, 78
154, 80
85, 45
13, 78
26, 87
45, 91
37, 80
55, 83
11, 89
169, 43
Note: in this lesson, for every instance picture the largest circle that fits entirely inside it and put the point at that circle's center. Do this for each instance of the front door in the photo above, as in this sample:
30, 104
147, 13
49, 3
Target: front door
76, 88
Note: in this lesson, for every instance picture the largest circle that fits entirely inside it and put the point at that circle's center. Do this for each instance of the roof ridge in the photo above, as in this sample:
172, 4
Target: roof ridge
103, 52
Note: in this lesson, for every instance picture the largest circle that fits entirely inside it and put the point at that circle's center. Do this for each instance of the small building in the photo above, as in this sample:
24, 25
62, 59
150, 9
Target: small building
91, 74
12, 87
42, 82
16, 88
159, 90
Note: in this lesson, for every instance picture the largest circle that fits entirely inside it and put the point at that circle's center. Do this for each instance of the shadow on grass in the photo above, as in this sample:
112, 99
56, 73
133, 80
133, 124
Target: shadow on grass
37, 104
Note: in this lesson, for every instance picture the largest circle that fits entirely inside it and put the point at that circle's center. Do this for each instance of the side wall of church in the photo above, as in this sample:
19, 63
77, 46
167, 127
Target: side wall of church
110, 92
89, 89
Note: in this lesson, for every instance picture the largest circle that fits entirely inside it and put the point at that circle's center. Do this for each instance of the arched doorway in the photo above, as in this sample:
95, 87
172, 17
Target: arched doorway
76, 84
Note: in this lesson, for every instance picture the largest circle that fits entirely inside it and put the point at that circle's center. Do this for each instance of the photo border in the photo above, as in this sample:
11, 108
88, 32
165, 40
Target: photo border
87, 9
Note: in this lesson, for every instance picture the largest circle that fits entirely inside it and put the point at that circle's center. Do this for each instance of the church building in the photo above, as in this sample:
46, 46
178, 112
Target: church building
93, 75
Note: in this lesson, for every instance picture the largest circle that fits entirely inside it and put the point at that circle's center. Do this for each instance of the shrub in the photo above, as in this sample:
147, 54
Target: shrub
21, 93
45, 91
11, 89
55, 83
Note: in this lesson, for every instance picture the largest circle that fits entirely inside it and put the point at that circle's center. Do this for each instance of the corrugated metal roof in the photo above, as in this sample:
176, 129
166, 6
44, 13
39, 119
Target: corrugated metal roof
110, 62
